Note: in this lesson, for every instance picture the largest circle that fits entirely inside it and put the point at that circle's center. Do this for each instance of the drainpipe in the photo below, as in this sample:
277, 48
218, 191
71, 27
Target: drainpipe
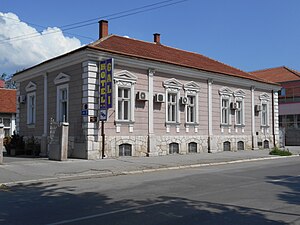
273, 119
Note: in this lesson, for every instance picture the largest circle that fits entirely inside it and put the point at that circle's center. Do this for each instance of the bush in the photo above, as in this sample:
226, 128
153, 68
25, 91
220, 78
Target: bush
277, 151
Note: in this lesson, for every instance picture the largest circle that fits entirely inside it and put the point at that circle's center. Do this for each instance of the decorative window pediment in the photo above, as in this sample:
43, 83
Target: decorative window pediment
125, 75
225, 91
62, 78
30, 87
172, 83
264, 96
239, 93
191, 86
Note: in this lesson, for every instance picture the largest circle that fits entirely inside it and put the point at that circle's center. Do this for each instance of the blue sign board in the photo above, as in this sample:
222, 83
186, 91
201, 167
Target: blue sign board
105, 84
84, 112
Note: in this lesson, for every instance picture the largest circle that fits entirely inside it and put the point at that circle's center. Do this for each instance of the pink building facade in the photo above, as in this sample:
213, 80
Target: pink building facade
165, 101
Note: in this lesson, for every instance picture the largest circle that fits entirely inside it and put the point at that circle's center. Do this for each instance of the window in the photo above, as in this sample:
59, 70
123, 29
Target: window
174, 148
266, 144
124, 96
125, 150
239, 96
191, 109
192, 147
264, 114
240, 145
264, 98
62, 103
7, 124
239, 113
172, 107
172, 87
124, 104
225, 99
225, 111
191, 92
31, 108
226, 146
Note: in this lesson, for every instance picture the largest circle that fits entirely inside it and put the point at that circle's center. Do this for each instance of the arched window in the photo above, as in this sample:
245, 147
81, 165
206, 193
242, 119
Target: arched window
125, 150
226, 146
266, 144
192, 147
173, 148
240, 145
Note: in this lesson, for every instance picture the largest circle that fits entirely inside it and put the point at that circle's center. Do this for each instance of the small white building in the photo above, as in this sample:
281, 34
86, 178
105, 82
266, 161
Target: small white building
164, 101
7, 109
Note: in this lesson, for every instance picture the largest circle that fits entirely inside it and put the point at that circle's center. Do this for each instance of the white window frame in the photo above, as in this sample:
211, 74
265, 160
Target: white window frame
6, 127
264, 114
170, 104
239, 110
225, 94
125, 79
31, 109
172, 86
123, 100
192, 89
239, 97
265, 100
30, 89
59, 88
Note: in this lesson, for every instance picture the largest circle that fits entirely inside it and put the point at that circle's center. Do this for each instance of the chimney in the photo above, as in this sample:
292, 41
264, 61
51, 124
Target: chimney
103, 28
156, 38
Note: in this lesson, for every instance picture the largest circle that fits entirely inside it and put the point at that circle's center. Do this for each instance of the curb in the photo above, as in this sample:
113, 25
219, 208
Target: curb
133, 172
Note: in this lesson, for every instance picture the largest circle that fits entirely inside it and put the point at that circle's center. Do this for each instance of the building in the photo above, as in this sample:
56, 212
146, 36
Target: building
165, 100
289, 100
7, 109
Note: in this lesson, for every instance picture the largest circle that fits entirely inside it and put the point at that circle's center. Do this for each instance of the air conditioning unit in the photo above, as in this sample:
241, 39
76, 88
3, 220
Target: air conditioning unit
142, 96
159, 97
22, 99
257, 108
184, 100
233, 105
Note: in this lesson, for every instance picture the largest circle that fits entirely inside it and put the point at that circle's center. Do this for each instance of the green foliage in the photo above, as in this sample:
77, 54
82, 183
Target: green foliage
277, 151
8, 81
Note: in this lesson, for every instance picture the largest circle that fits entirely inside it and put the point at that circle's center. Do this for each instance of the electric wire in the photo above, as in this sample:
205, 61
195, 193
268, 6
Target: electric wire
84, 23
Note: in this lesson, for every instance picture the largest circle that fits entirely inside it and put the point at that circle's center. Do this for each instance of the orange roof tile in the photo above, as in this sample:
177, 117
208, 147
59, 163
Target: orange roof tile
162, 53
8, 100
278, 74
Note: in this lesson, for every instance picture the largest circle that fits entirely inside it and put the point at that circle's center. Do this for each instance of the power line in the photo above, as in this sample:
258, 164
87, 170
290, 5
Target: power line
36, 25
109, 17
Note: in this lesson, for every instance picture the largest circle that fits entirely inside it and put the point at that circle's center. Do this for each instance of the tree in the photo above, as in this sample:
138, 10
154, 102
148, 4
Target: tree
8, 81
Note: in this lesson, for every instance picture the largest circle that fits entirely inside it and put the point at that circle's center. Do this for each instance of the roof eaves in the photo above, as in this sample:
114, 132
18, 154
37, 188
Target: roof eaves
178, 64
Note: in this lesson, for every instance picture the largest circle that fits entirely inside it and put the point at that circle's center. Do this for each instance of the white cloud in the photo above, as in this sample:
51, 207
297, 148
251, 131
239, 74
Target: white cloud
27, 46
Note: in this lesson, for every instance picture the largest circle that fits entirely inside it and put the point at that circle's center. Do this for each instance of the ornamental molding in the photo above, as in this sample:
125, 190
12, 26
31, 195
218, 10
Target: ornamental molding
62, 78
192, 85
172, 83
125, 75
225, 91
239, 93
31, 86
264, 96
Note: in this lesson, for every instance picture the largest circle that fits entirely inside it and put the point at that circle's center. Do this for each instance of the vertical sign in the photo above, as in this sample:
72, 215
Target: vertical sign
105, 83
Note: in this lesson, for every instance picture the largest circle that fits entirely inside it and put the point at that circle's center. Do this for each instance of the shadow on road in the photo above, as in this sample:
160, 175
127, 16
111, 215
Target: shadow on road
50, 204
293, 183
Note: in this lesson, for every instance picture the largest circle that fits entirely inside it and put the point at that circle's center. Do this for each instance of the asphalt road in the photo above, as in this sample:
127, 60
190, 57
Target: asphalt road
264, 192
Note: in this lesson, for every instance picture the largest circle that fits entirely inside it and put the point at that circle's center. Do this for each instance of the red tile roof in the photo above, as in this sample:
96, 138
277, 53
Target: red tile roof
278, 74
8, 100
162, 53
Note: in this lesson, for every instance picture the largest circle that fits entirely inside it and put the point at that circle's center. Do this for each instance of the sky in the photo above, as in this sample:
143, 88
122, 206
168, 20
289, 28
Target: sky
246, 34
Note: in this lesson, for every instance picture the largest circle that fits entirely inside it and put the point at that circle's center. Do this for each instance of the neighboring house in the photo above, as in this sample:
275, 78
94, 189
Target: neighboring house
289, 100
165, 100
7, 109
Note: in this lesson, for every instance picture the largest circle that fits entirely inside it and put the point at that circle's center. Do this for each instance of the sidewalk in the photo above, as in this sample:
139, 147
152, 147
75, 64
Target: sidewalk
32, 170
